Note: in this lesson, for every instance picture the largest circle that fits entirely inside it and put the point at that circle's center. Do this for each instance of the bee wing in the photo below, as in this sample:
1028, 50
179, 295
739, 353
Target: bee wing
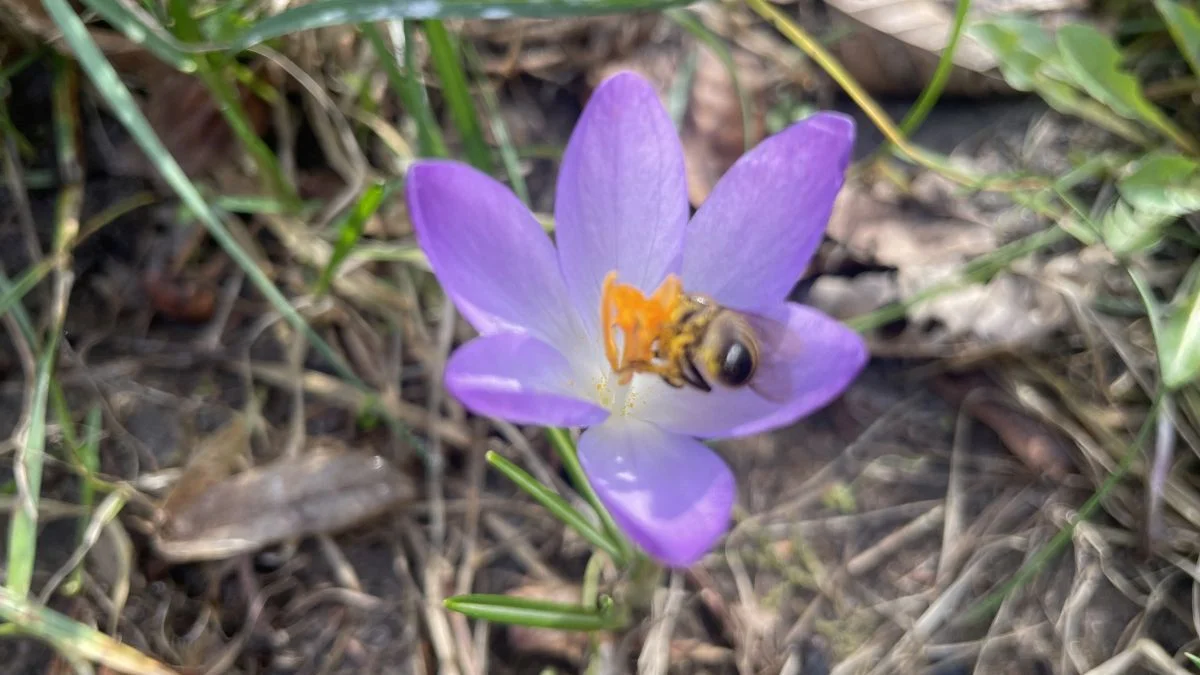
779, 349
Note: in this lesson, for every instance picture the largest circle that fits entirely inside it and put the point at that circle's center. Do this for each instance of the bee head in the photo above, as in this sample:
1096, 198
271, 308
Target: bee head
730, 350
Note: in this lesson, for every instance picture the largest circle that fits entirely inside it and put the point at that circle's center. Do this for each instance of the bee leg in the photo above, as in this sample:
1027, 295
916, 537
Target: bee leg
691, 374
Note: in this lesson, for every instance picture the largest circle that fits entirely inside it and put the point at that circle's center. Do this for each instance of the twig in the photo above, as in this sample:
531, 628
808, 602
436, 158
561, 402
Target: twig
434, 459
891, 544
1145, 651
656, 652
339, 392
16, 189
436, 618
952, 526
515, 542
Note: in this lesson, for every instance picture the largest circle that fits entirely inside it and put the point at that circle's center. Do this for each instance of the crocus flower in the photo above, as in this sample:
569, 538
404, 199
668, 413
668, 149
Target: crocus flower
621, 206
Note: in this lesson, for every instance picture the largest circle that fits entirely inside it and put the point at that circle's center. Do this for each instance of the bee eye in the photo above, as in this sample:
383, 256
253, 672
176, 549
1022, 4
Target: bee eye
737, 366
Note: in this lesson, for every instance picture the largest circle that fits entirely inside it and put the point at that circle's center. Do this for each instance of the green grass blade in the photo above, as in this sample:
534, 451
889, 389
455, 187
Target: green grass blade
12, 293
560, 439
446, 61
555, 505
535, 613
24, 324
941, 74
327, 13
217, 75
74, 639
145, 31
87, 454
349, 231
31, 434
106, 81
409, 88
509, 157
689, 22
31, 452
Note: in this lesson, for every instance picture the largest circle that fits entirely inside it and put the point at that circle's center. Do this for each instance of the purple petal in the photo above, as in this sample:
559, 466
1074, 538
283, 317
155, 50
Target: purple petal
488, 252
752, 238
521, 379
671, 494
822, 358
621, 200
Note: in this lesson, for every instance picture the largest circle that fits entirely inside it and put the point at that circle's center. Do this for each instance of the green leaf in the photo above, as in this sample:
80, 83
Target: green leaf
1163, 183
1030, 61
1094, 62
349, 231
1021, 46
535, 613
1127, 230
1179, 339
326, 13
1184, 25
1193, 658
555, 504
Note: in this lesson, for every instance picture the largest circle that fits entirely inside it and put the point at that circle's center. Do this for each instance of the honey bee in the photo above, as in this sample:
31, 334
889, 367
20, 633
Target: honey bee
691, 340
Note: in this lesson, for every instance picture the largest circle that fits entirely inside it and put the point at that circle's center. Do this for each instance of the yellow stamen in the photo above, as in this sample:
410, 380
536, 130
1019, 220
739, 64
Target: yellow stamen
641, 320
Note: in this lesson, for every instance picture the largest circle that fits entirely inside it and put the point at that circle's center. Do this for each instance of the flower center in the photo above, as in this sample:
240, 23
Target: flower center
617, 397
642, 321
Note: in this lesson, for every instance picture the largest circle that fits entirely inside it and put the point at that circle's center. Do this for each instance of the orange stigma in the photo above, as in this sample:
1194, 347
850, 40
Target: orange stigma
641, 320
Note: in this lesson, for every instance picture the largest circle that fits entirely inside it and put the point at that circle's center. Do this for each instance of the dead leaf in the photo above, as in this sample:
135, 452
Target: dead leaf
894, 46
714, 135
211, 462
184, 115
888, 229
323, 492
698, 653
844, 298
926, 248
1008, 310
179, 299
